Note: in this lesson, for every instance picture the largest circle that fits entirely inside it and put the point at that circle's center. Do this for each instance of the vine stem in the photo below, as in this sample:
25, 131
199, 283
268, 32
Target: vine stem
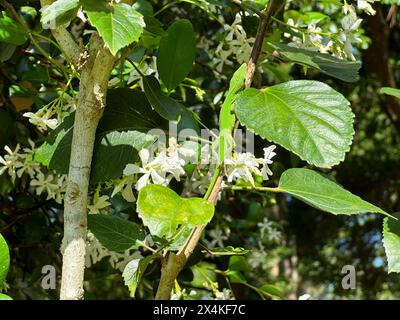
173, 263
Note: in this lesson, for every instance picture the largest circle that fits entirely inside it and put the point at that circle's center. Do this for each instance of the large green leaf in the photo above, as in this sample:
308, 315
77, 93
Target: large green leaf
115, 151
338, 68
322, 193
114, 233
4, 261
176, 53
167, 107
133, 273
391, 242
59, 12
162, 210
11, 32
119, 27
306, 117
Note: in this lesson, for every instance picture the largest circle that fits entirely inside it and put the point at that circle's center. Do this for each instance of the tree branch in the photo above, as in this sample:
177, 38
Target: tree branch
67, 43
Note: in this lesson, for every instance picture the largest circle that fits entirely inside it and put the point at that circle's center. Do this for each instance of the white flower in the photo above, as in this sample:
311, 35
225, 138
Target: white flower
268, 155
242, 165
11, 161
125, 184
350, 23
41, 120
44, 183
154, 169
98, 204
365, 6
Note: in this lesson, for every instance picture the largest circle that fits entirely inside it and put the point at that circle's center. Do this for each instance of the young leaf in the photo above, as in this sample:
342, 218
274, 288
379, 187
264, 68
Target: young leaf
322, 193
338, 68
176, 53
390, 91
11, 32
308, 118
119, 27
162, 210
133, 273
4, 297
114, 233
4, 261
59, 12
391, 242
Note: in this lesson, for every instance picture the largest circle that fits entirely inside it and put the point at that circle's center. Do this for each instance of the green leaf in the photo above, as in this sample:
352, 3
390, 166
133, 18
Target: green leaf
134, 271
96, 5
115, 151
338, 68
128, 109
271, 291
114, 233
4, 261
227, 251
11, 32
59, 12
390, 91
391, 242
176, 53
167, 107
56, 151
162, 210
4, 297
119, 27
236, 277
306, 117
239, 263
322, 193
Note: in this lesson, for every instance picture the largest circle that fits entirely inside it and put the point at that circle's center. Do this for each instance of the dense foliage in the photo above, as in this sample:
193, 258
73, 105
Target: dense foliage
281, 143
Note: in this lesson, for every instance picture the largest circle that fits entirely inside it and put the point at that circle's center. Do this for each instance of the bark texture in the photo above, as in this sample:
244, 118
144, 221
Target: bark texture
95, 73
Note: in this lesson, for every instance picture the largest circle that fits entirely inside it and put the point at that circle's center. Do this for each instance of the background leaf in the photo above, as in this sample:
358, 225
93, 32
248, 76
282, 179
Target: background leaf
4, 261
176, 53
391, 242
114, 233
114, 151
322, 193
306, 117
390, 91
119, 27
133, 273
11, 32
162, 210
338, 68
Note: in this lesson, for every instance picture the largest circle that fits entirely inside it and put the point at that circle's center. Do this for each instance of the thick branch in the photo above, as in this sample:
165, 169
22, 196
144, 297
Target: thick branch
91, 99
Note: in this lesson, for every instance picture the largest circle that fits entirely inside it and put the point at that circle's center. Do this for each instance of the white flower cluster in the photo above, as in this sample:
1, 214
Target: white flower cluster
156, 167
19, 162
339, 44
16, 163
244, 165
52, 114
236, 45
96, 252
